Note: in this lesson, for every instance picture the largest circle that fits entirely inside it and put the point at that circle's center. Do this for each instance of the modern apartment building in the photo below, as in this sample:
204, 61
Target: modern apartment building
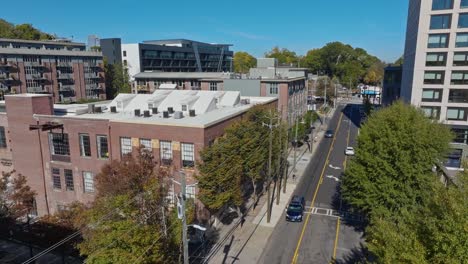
61, 147
391, 84
175, 55
63, 69
435, 70
288, 84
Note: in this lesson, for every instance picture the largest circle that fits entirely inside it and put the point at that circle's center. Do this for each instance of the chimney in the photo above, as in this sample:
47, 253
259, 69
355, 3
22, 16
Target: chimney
137, 112
146, 113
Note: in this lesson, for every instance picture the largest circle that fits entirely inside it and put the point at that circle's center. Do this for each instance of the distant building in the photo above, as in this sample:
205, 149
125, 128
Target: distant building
112, 50
289, 84
61, 148
93, 41
177, 55
64, 69
391, 84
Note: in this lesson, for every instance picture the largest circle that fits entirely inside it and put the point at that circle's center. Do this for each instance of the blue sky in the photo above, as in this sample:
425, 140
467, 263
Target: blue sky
254, 26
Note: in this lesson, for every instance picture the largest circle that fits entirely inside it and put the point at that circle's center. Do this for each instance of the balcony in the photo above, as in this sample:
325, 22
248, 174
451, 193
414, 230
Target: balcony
66, 87
64, 64
34, 64
38, 89
143, 88
65, 76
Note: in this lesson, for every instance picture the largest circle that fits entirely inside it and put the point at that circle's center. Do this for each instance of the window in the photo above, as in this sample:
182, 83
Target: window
273, 88
190, 192
188, 155
463, 20
85, 147
102, 147
166, 152
459, 77
125, 53
56, 178
461, 40
454, 113
432, 95
3, 142
461, 135
464, 4
125, 145
213, 86
442, 4
438, 41
124, 62
436, 59
433, 112
434, 77
454, 159
195, 85
59, 144
440, 21
460, 59
69, 180
88, 182
458, 96
146, 144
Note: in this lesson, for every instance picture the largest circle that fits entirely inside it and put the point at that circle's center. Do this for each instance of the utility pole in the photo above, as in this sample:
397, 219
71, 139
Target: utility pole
270, 126
286, 164
184, 218
295, 142
335, 99
278, 180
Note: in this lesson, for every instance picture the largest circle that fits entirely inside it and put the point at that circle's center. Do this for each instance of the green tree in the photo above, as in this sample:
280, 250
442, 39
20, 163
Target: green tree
22, 31
117, 79
243, 61
16, 197
283, 55
399, 61
391, 171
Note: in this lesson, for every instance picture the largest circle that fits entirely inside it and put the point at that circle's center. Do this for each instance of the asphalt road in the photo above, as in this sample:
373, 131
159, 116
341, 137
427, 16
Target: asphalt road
328, 231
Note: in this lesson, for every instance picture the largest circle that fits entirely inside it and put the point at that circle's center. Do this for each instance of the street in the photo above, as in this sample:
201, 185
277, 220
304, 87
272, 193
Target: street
328, 231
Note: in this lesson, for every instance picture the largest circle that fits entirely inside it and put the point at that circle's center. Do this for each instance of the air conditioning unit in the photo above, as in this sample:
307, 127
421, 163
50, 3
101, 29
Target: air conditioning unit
178, 115
165, 114
113, 109
137, 112
146, 113
192, 112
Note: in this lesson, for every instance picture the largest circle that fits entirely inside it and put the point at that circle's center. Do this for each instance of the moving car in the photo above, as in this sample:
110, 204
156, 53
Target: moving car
329, 133
295, 211
349, 151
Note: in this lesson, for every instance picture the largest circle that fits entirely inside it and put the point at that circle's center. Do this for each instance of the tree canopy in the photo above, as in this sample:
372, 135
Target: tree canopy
243, 61
283, 55
16, 197
22, 31
117, 79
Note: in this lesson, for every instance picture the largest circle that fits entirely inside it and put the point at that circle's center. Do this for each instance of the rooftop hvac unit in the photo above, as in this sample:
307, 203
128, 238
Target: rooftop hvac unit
113, 109
98, 109
178, 115
165, 114
154, 110
192, 112
91, 108
137, 112
245, 101
170, 110
146, 113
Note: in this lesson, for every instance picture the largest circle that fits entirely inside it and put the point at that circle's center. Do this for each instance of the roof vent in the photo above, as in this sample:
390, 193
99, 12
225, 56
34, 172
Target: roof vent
146, 113
245, 101
170, 110
154, 110
192, 112
165, 114
97, 109
91, 108
178, 115
137, 112
113, 109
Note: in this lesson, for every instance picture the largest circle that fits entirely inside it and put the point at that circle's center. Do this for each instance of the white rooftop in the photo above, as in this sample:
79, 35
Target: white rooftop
211, 107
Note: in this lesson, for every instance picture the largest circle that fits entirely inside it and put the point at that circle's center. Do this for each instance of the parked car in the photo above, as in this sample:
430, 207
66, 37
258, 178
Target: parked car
329, 133
349, 151
296, 207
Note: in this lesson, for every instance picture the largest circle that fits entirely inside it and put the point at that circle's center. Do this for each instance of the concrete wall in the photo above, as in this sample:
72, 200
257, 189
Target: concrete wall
132, 58
245, 87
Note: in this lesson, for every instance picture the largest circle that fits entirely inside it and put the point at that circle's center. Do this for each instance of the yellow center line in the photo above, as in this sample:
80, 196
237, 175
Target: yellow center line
296, 252
336, 239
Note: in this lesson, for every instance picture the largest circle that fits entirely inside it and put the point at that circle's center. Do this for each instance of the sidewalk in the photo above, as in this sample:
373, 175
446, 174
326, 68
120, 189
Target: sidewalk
244, 243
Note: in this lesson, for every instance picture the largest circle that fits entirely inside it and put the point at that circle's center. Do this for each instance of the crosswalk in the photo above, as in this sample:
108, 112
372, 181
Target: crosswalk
334, 213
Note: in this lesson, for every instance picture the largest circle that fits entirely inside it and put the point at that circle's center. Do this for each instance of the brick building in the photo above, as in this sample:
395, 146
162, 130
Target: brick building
60, 148
64, 69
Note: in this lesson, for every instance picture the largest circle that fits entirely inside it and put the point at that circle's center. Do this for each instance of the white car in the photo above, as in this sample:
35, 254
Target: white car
349, 151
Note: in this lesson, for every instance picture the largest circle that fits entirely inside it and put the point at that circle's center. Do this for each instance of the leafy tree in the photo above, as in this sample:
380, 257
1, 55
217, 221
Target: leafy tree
391, 171
243, 61
22, 31
16, 197
399, 61
283, 55
117, 79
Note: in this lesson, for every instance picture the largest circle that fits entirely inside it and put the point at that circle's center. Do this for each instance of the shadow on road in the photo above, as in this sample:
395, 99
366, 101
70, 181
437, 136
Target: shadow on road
357, 255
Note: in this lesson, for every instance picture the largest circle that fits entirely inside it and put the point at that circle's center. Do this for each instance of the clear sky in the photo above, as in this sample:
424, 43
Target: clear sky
254, 26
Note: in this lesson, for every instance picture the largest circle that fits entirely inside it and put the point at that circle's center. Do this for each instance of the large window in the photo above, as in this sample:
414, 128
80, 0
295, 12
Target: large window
88, 181
125, 145
455, 113
460, 59
438, 41
442, 4
188, 155
432, 112
59, 144
69, 180
434, 77
3, 141
213, 86
462, 40
436, 59
464, 4
440, 21
166, 152
102, 147
273, 88
190, 192
146, 144
85, 146
463, 20
458, 96
461, 135
57, 183
432, 95
459, 77
454, 159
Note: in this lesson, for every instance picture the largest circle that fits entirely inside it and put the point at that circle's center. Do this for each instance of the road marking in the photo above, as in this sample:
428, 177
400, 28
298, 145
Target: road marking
335, 168
333, 177
336, 238
304, 226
